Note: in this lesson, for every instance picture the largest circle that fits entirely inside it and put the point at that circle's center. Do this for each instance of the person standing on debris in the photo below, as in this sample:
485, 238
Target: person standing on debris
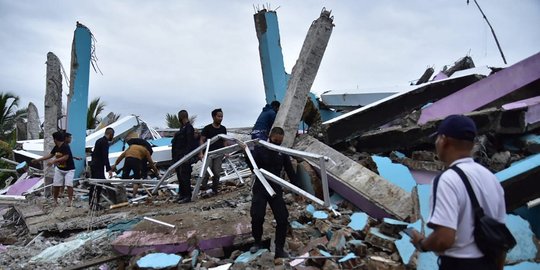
214, 163
183, 143
136, 157
99, 164
452, 215
273, 162
65, 167
265, 121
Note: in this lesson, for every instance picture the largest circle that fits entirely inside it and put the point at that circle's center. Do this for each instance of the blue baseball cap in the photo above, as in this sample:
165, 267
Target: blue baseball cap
457, 126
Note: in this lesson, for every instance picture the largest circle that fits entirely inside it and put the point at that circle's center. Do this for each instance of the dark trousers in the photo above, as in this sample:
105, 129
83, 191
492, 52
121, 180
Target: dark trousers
258, 211
450, 263
183, 173
134, 165
97, 172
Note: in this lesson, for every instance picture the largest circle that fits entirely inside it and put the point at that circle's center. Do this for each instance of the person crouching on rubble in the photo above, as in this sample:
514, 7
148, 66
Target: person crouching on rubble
182, 144
64, 170
273, 162
136, 157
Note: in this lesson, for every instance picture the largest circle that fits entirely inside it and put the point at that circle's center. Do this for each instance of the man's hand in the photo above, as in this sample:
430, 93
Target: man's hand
51, 163
416, 238
201, 156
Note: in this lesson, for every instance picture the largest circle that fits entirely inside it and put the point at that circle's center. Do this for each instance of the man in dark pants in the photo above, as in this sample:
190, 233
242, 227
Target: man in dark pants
100, 161
183, 143
273, 162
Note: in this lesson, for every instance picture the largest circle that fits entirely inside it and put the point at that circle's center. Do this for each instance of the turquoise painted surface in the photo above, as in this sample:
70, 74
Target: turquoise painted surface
320, 215
396, 173
347, 257
427, 261
78, 106
304, 179
523, 266
273, 68
310, 208
248, 256
405, 248
161, 142
533, 216
297, 225
519, 167
525, 248
159, 260
394, 222
424, 195
358, 221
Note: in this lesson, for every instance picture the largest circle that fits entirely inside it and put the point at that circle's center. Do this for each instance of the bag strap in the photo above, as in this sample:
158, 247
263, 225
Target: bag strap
435, 184
478, 211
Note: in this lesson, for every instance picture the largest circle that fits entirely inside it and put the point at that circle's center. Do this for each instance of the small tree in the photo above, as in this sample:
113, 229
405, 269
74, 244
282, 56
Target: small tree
173, 121
94, 109
9, 114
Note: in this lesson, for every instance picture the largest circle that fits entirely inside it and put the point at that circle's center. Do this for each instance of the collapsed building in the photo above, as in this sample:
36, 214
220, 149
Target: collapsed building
365, 165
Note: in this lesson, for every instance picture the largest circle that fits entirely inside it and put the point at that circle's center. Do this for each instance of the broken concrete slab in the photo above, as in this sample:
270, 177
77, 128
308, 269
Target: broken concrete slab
494, 87
530, 143
520, 182
365, 189
532, 115
218, 231
374, 115
380, 240
302, 76
52, 254
358, 221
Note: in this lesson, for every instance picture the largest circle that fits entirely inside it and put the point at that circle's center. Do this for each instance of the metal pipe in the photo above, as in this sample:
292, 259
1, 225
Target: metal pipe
324, 179
160, 222
235, 170
289, 151
276, 179
124, 181
261, 178
533, 203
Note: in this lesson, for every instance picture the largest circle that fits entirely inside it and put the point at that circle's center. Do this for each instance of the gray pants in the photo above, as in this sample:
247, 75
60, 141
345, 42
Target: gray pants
215, 166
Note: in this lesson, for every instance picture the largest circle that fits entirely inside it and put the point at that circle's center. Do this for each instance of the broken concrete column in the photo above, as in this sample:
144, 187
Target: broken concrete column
81, 51
365, 189
32, 127
53, 110
302, 77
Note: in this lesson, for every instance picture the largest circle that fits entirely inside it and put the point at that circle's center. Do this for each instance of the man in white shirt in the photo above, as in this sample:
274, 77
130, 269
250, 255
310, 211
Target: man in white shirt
452, 216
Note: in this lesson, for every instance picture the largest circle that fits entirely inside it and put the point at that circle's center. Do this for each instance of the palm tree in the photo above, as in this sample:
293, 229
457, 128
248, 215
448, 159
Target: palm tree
94, 109
173, 122
8, 113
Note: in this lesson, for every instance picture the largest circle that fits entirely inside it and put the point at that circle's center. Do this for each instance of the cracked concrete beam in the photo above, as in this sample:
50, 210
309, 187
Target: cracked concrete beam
362, 187
32, 128
302, 76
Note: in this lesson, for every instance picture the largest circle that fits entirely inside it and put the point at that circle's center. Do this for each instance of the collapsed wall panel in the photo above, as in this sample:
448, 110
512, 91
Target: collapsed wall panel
375, 115
362, 187
486, 91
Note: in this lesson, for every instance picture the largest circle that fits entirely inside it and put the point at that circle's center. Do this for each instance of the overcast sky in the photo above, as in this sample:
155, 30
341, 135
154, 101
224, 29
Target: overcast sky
158, 57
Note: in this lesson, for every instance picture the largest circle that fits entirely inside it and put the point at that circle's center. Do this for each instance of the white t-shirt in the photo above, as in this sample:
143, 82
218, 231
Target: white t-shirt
453, 208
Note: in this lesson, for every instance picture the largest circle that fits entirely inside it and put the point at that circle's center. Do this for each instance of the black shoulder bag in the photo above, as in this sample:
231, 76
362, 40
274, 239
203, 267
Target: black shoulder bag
491, 237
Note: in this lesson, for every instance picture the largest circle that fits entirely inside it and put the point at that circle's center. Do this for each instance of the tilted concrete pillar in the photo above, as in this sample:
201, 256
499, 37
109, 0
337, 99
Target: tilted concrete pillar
78, 93
303, 75
32, 128
273, 69
53, 109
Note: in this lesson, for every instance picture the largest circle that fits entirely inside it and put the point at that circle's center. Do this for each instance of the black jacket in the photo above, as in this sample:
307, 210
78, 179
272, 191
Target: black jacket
274, 162
100, 155
183, 142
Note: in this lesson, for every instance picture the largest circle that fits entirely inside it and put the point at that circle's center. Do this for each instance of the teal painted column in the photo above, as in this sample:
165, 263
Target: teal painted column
273, 69
78, 93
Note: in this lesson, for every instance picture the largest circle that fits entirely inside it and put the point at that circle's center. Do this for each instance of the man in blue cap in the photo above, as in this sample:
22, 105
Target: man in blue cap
452, 215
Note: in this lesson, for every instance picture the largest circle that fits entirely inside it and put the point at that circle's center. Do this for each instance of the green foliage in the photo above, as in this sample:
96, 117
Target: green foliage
173, 121
6, 152
8, 114
95, 108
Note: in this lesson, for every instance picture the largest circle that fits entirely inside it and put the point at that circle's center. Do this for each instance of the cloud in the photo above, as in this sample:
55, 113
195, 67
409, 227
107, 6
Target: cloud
159, 57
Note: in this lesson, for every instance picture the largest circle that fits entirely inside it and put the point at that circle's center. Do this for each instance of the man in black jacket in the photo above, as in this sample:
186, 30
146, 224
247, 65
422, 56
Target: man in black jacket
183, 143
273, 162
100, 159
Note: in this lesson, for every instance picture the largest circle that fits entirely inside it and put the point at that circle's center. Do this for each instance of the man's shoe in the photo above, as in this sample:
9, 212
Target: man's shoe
255, 248
184, 200
280, 253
